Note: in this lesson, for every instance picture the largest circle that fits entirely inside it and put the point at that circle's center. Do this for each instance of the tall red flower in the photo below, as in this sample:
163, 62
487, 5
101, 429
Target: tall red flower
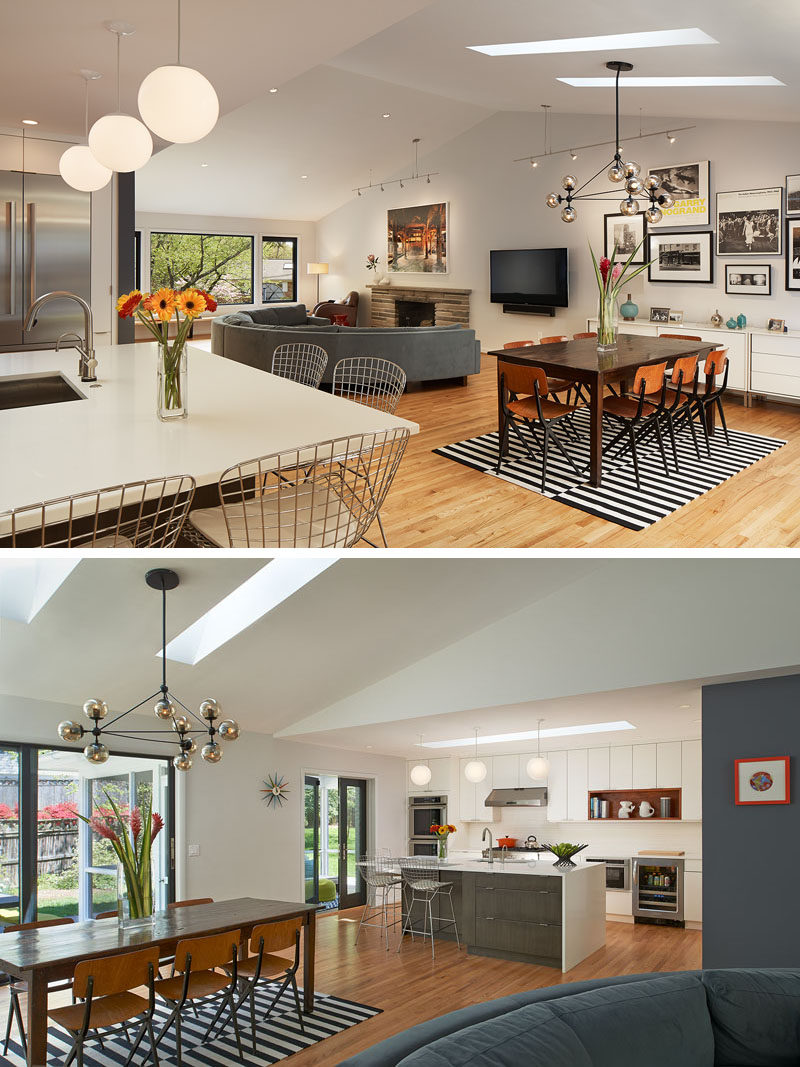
136, 823
605, 265
103, 830
158, 826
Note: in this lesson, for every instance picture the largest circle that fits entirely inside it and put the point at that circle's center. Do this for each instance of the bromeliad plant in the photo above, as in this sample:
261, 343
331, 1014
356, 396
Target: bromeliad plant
442, 831
155, 311
132, 838
611, 276
564, 851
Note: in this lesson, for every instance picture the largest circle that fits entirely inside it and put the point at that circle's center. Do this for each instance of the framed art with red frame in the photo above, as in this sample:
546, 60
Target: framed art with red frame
762, 781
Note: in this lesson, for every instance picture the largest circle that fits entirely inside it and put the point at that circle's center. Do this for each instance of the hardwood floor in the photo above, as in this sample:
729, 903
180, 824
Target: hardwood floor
435, 503
411, 988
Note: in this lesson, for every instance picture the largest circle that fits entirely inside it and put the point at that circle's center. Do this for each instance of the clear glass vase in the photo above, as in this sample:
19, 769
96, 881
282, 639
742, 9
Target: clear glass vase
172, 399
607, 322
131, 913
442, 848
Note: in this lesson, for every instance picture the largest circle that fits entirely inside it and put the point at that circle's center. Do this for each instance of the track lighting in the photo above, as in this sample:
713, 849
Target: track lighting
671, 137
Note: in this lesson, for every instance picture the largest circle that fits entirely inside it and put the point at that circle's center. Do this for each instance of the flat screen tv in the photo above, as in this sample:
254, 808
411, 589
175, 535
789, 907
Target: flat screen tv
531, 276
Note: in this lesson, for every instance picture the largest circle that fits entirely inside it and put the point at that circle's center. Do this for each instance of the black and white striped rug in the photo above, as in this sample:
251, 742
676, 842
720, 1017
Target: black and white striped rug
280, 1036
617, 499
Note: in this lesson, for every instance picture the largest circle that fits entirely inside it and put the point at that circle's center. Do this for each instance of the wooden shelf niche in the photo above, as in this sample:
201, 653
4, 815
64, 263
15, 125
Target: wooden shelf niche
615, 796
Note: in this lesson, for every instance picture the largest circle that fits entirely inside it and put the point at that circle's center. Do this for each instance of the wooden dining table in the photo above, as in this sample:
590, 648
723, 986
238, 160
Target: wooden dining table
579, 361
38, 957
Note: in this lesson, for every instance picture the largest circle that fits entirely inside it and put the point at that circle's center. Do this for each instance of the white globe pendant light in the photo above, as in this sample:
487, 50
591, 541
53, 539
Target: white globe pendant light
77, 166
420, 773
538, 766
120, 142
178, 103
475, 770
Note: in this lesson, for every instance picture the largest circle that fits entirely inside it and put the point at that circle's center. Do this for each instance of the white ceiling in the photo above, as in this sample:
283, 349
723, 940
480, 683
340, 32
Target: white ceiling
377, 650
338, 73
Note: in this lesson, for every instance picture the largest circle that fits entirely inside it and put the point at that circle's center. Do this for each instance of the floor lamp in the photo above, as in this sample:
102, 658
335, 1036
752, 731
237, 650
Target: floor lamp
317, 268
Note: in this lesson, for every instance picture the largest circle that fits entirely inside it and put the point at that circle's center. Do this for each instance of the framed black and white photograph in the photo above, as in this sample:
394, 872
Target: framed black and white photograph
681, 257
793, 194
793, 255
687, 184
675, 317
659, 315
748, 279
749, 222
626, 232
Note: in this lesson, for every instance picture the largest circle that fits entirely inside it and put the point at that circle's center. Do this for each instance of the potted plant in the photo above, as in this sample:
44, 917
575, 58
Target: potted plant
564, 851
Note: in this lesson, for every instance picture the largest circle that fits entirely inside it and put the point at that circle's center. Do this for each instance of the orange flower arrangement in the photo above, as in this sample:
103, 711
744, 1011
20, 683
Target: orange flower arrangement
442, 831
155, 311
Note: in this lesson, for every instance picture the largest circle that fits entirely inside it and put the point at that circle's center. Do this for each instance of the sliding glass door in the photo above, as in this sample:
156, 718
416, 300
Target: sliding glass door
335, 838
352, 840
52, 865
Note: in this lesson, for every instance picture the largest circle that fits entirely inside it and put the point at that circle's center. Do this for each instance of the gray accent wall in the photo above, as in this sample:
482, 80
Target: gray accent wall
751, 854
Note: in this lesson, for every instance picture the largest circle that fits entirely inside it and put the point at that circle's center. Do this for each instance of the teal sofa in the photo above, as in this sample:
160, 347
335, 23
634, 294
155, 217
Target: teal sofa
714, 1018
426, 353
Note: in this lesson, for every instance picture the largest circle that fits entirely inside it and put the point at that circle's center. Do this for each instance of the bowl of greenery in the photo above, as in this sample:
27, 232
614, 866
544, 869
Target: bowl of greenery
564, 852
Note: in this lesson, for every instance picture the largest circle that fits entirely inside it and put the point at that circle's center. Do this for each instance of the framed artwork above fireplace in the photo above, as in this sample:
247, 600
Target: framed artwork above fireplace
417, 239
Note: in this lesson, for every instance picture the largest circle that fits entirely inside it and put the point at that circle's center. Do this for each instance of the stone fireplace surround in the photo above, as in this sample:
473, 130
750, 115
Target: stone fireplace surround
450, 306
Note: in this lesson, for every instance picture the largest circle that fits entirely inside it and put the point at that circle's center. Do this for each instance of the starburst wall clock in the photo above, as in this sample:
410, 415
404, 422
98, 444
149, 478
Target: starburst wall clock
275, 791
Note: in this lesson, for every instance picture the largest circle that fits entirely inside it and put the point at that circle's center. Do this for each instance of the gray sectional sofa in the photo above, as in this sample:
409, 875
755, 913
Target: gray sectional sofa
714, 1018
426, 353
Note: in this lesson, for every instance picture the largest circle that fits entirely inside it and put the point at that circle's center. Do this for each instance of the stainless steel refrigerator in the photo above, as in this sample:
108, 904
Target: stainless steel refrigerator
45, 244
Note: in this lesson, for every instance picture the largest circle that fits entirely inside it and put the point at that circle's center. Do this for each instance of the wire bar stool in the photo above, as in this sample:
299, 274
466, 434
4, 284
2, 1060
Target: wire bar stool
301, 362
382, 879
371, 380
422, 886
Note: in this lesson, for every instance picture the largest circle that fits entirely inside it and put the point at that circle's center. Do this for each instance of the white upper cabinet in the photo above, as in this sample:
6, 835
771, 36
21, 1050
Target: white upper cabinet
668, 765
557, 787
505, 772
577, 785
441, 776
692, 784
644, 766
621, 767
599, 768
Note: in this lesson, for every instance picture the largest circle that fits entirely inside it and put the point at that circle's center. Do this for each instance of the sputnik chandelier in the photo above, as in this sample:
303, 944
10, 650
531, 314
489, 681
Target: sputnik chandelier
167, 709
647, 189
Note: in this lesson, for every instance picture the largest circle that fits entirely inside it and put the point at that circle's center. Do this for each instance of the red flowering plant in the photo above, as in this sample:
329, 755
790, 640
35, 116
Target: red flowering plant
611, 276
131, 836
442, 831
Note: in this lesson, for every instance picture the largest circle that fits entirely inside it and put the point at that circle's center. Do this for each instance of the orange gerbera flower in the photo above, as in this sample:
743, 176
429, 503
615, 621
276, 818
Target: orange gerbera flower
192, 303
128, 303
162, 304
211, 304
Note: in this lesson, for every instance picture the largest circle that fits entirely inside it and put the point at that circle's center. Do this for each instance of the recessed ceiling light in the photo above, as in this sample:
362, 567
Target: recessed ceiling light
673, 83
273, 89
30, 122
265, 590
530, 735
303, 176
684, 707
651, 39
204, 164
27, 584
386, 115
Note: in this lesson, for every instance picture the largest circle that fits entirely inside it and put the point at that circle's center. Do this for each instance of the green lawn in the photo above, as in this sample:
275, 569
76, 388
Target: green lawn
333, 846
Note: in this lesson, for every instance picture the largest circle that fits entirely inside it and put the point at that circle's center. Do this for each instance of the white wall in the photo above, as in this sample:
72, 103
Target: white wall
496, 203
147, 221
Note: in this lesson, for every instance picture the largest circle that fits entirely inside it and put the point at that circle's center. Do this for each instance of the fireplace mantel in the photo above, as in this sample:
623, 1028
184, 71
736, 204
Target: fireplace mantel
451, 306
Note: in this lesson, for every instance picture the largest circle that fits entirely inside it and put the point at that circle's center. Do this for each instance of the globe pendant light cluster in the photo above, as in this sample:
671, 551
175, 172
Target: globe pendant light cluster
648, 189
475, 770
167, 708
176, 102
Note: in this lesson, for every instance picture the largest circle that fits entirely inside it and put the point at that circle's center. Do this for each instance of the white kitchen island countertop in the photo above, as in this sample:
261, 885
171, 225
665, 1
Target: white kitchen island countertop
114, 435
538, 867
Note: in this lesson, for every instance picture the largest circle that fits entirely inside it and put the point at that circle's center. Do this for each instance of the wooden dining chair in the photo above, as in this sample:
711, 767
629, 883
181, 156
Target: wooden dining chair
680, 400
17, 988
710, 398
582, 336
638, 416
523, 403
681, 336
267, 964
323, 495
105, 987
199, 962
107, 915
146, 514
189, 903
554, 385
554, 340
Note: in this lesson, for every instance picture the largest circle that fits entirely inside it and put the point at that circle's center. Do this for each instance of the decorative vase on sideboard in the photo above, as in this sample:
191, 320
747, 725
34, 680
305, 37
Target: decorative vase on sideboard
629, 310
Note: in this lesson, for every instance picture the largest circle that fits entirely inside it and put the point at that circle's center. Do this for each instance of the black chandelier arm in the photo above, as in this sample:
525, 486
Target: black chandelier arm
150, 733
590, 180
155, 740
604, 194
194, 715
122, 714
617, 157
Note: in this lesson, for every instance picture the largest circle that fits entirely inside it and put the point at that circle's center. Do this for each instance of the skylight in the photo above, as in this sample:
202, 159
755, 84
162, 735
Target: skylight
673, 83
649, 39
531, 735
260, 594
27, 584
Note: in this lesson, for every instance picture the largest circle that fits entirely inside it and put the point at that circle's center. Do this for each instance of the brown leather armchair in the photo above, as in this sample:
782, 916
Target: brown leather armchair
349, 307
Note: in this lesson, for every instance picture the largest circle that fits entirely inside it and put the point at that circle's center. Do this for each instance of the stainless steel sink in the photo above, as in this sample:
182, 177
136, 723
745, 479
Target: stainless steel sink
34, 389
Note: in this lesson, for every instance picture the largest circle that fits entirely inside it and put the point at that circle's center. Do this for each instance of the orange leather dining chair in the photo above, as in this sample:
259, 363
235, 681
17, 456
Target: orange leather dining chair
716, 363
554, 385
189, 903
581, 336
523, 392
637, 416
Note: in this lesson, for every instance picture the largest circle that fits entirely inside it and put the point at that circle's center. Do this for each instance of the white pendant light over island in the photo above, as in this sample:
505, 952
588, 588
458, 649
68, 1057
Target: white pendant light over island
538, 766
475, 771
420, 773
78, 166
178, 103
120, 142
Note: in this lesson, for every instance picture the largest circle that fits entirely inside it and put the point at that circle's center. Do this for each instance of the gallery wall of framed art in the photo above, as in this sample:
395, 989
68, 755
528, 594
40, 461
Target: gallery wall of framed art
749, 222
686, 257
688, 185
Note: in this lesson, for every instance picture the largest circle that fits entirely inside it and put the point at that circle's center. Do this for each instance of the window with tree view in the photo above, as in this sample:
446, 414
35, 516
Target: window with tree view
222, 264
278, 269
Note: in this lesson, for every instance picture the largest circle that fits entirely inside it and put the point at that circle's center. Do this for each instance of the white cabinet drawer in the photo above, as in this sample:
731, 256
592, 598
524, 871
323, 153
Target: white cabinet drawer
779, 384
778, 343
776, 363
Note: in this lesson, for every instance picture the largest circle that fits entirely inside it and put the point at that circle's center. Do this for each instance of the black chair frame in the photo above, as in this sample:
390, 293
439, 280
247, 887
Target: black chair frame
510, 421
639, 426
248, 987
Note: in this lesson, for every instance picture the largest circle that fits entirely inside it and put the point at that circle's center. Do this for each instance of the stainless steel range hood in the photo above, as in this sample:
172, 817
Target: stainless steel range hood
530, 797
